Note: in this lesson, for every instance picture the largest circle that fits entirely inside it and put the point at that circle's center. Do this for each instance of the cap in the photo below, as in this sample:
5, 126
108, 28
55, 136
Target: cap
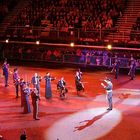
107, 79
15, 69
48, 74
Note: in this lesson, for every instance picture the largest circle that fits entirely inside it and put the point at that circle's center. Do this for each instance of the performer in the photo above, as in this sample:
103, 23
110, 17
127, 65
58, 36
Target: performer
108, 88
16, 80
132, 69
22, 83
78, 83
26, 103
48, 90
36, 82
116, 67
35, 98
23, 135
80, 73
61, 86
5, 68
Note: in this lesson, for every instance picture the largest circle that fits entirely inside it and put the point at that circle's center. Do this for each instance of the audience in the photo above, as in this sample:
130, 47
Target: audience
135, 32
62, 15
5, 7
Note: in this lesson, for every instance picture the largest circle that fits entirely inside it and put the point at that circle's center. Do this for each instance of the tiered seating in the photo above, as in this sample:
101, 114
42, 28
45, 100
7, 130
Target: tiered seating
88, 15
135, 32
5, 7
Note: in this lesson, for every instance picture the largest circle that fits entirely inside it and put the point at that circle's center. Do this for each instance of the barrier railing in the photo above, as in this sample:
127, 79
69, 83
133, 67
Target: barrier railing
90, 60
69, 34
56, 33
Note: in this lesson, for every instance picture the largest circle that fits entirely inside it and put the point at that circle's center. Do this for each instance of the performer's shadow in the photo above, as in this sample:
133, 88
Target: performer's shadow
90, 122
122, 97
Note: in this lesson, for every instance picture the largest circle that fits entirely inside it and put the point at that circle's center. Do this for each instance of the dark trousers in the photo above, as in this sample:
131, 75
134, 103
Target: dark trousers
6, 80
132, 74
116, 73
22, 101
35, 109
16, 86
37, 87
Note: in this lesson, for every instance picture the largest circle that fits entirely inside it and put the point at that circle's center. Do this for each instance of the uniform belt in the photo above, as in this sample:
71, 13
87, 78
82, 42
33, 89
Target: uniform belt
109, 91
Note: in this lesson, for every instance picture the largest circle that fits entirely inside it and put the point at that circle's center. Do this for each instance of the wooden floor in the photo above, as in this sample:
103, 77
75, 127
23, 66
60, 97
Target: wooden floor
78, 117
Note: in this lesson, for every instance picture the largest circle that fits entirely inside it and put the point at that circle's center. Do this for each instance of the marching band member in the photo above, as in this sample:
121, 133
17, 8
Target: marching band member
21, 83
26, 103
48, 90
16, 80
78, 83
61, 86
36, 82
109, 92
35, 99
80, 73
115, 68
5, 69
132, 69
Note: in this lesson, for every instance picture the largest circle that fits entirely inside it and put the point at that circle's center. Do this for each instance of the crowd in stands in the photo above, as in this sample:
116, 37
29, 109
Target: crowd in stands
135, 32
88, 15
5, 7
85, 14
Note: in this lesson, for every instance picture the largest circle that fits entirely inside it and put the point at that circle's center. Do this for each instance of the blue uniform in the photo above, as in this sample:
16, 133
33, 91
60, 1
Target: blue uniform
133, 69
109, 88
117, 65
16, 81
36, 83
5, 73
48, 90
26, 103
22, 83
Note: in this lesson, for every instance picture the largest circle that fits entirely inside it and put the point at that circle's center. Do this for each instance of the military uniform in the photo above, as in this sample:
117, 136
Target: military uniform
22, 83
26, 103
35, 99
133, 69
16, 80
61, 87
48, 89
36, 82
78, 83
117, 66
109, 92
5, 68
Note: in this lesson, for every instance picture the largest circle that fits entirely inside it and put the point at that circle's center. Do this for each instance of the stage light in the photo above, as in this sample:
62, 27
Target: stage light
7, 40
109, 47
72, 44
37, 42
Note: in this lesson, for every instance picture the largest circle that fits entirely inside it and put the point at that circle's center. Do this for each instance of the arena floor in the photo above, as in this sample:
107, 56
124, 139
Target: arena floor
81, 117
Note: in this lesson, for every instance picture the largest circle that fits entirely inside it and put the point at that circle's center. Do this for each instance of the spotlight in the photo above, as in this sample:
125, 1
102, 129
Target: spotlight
109, 47
72, 44
7, 40
37, 42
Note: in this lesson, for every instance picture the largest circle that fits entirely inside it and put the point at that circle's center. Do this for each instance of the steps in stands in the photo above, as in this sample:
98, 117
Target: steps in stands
46, 23
10, 17
124, 23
